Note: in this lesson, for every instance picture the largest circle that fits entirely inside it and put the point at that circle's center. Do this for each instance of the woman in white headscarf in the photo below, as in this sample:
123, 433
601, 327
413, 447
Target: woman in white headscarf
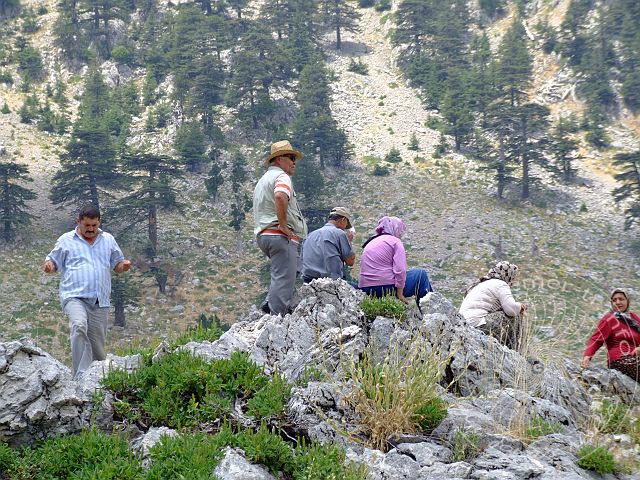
492, 294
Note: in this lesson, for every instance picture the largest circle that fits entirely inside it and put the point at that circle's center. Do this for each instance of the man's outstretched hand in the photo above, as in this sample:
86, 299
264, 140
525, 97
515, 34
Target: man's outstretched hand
123, 266
49, 267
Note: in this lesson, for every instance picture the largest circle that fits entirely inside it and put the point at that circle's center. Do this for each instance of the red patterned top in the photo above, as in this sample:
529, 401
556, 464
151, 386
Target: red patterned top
620, 339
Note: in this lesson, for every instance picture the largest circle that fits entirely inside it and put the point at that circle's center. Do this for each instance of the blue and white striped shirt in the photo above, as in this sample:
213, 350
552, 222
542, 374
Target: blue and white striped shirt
86, 268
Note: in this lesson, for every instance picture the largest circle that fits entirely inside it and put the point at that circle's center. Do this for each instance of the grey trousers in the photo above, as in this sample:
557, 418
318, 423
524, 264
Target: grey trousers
88, 326
284, 256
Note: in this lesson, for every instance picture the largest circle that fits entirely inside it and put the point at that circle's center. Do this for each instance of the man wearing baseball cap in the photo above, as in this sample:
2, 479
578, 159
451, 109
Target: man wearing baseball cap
279, 224
329, 248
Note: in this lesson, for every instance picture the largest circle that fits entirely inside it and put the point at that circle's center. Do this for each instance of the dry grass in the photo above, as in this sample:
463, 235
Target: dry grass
387, 394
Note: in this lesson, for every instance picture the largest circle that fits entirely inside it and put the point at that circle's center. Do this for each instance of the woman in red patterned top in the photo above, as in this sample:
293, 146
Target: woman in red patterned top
620, 331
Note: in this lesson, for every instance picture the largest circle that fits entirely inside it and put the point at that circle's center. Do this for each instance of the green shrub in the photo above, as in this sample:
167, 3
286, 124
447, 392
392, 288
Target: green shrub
121, 54
30, 64
366, 3
6, 77
77, 456
207, 329
358, 67
325, 462
393, 156
431, 414
615, 417
598, 459
182, 390
413, 143
466, 445
539, 427
8, 457
381, 171
5, 109
383, 5
387, 306
267, 449
270, 401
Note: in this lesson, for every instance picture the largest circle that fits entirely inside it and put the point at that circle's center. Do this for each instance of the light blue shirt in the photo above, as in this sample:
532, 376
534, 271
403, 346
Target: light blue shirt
86, 268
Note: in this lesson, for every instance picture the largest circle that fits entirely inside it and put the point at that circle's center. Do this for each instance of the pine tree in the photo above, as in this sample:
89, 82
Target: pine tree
125, 291
68, 32
501, 124
207, 88
189, 145
255, 67
241, 201
564, 149
456, 107
482, 88
278, 14
152, 190
629, 192
95, 16
87, 168
529, 140
340, 16
515, 65
214, 180
13, 197
303, 34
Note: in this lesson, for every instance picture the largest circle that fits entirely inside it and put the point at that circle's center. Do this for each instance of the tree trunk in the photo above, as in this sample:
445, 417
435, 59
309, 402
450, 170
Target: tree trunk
119, 319
153, 227
93, 189
500, 170
338, 39
525, 159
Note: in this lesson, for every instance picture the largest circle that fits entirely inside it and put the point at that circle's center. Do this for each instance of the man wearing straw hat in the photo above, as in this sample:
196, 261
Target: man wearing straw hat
279, 224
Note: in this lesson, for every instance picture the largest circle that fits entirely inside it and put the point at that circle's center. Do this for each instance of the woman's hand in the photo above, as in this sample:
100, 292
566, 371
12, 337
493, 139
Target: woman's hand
636, 351
585, 361
401, 296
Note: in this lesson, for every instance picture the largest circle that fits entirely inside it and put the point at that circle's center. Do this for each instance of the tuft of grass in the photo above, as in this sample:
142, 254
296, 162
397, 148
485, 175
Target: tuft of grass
466, 445
394, 395
539, 427
597, 459
615, 417
431, 413
387, 306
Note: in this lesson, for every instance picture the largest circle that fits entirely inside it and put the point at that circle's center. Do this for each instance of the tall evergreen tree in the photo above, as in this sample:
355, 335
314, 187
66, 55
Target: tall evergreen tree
303, 34
124, 292
340, 16
515, 64
189, 145
255, 67
456, 107
482, 88
278, 14
501, 124
95, 15
629, 192
529, 140
13, 197
152, 190
564, 149
241, 201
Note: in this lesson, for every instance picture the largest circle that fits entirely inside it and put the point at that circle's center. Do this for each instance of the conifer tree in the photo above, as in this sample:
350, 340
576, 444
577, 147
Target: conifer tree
125, 291
189, 145
629, 192
456, 107
515, 65
482, 88
13, 197
278, 14
529, 140
303, 34
95, 16
340, 16
9, 8
501, 124
214, 180
564, 149
68, 32
152, 190
241, 201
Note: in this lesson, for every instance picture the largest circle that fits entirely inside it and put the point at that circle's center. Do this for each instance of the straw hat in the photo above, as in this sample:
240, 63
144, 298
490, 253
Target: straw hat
343, 212
283, 147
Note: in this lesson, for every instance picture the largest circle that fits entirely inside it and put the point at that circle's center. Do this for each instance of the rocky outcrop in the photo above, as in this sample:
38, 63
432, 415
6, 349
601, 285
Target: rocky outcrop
38, 398
493, 392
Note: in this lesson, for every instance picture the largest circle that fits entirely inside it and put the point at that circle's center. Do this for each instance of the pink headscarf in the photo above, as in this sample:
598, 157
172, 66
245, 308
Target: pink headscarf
391, 225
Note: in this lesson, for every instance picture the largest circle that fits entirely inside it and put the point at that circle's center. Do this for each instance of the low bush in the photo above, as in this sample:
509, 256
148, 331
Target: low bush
388, 306
358, 67
121, 54
393, 156
6, 77
597, 459
383, 5
182, 390
431, 414
325, 462
381, 171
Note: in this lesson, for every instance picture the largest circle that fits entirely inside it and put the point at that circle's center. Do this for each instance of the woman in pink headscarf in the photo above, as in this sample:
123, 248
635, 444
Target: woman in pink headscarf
383, 267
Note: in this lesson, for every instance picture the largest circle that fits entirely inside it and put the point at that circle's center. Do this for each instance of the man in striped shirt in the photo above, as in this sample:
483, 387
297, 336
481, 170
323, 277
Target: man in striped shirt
86, 256
279, 224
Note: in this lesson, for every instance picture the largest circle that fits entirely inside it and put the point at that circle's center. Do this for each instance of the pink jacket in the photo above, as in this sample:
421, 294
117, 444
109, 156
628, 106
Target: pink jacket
383, 262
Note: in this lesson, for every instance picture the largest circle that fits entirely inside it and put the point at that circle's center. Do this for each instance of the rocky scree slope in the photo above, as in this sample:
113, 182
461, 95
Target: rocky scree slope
489, 388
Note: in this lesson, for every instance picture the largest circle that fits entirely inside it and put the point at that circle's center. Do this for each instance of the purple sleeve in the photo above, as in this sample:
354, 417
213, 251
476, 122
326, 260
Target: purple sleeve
399, 265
